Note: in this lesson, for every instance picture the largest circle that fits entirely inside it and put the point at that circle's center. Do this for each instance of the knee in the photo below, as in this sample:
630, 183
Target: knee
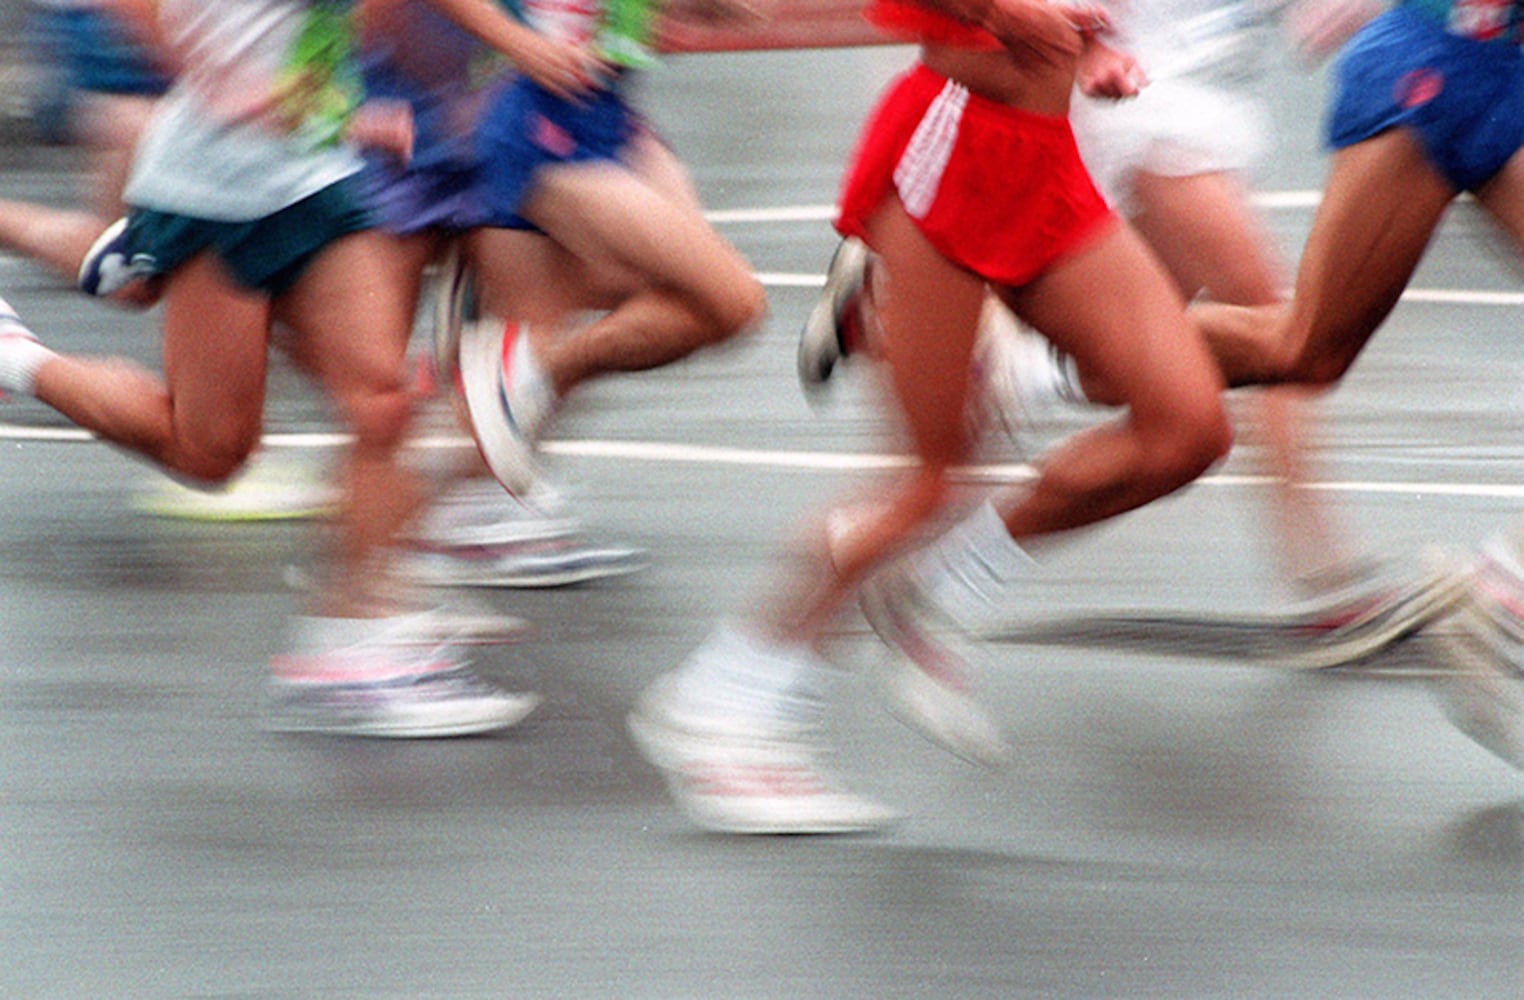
212, 460
740, 310
1197, 437
1302, 356
1318, 368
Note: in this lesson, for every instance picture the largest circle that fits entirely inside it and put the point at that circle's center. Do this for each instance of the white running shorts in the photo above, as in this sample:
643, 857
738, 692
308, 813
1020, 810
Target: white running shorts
1173, 128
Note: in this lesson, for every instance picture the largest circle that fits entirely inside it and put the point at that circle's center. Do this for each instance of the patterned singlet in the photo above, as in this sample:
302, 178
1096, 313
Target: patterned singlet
1482, 20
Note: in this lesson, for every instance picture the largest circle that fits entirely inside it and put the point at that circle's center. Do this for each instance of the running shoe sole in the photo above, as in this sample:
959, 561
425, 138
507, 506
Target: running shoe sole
427, 721
508, 453
1434, 595
820, 340
1480, 693
920, 699
525, 573
678, 752
251, 503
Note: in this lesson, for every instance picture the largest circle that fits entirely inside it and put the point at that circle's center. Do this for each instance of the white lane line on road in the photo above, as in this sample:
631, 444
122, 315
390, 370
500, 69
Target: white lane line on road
808, 461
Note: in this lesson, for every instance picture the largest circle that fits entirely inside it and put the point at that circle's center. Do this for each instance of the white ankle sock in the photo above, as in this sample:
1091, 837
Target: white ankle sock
967, 571
737, 673
20, 353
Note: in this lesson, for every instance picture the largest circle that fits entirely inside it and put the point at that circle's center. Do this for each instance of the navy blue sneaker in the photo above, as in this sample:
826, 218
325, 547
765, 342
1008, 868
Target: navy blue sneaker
110, 270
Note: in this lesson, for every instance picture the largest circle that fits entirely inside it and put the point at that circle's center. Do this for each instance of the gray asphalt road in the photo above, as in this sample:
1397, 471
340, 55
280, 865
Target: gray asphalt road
1182, 819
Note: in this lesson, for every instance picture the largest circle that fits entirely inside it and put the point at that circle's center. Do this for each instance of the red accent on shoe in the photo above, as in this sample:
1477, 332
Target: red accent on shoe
734, 781
511, 331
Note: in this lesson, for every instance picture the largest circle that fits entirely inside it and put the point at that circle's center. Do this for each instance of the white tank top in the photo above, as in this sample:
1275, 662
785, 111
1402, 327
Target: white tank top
252, 124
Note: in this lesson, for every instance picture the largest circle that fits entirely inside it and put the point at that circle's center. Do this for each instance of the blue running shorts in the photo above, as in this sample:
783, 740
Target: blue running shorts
526, 127
437, 195
1463, 99
437, 188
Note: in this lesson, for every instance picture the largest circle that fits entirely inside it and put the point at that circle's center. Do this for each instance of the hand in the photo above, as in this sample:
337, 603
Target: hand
1105, 72
383, 125
568, 71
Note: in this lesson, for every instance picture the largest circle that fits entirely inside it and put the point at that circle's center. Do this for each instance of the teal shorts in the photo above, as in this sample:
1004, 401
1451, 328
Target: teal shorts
263, 255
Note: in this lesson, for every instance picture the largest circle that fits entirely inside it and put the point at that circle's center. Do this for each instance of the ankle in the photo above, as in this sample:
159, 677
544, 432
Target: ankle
21, 354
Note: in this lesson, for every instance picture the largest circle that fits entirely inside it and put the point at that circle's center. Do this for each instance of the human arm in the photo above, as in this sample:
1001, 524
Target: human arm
712, 12
1032, 29
1318, 27
565, 70
382, 125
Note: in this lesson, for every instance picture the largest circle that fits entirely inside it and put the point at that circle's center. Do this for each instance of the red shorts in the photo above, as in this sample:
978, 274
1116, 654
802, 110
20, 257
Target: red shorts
997, 190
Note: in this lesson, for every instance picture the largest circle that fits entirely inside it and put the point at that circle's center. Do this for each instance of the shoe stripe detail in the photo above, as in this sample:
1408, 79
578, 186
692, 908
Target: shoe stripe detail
1501, 587
329, 668
763, 781
511, 331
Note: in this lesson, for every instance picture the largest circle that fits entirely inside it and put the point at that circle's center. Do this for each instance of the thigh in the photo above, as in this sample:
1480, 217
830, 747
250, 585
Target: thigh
1503, 199
1114, 310
1381, 205
928, 309
608, 215
1208, 237
528, 275
649, 157
353, 308
215, 340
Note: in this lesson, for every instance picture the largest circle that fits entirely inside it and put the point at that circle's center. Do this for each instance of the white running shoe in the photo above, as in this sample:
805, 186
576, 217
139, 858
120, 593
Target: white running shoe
454, 621
1375, 609
270, 488
730, 776
551, 562
1496, 598
478, 512
476, 535
1482, 693
465, 623
926, 683
111, 270
830, 331
387, 685
504, 423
